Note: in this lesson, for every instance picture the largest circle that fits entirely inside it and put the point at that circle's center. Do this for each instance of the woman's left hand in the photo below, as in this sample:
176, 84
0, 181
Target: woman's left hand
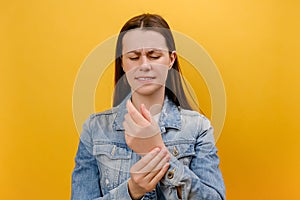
142, 133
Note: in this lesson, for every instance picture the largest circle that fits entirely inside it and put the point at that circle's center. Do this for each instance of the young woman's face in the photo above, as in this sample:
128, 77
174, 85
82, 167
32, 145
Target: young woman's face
146, 60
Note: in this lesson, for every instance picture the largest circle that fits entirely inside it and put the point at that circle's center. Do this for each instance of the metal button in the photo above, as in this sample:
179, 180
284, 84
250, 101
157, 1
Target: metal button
175, 151
171, 173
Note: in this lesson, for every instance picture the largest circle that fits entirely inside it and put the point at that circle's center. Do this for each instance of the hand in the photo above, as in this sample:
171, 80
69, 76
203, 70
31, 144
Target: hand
147, 172
142, 133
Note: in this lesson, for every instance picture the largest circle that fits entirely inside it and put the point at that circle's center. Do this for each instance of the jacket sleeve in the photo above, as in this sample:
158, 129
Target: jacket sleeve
202, 179
86, 175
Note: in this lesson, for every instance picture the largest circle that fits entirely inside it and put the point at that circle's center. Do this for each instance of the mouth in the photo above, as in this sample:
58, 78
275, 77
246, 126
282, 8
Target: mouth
144, 78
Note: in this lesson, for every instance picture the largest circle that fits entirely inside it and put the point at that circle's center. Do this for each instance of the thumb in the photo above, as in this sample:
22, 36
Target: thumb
145, 113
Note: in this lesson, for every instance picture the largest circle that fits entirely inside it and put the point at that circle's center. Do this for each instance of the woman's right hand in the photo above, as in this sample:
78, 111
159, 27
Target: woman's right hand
147, 172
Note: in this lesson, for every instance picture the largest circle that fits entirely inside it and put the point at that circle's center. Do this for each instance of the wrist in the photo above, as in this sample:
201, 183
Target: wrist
133, 193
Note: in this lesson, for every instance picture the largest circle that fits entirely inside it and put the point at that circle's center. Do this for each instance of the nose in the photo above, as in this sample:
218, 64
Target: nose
145, 64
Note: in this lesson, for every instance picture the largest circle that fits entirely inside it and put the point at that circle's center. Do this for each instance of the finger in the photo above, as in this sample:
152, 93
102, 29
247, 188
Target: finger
130, 123
129, 126
145, 112
160, 174
149, 176
126, 126
135, 115
163, 161
159, 158
136, 130
146, 159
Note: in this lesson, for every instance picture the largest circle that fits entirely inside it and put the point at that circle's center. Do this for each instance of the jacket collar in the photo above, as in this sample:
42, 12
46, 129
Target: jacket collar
170, 115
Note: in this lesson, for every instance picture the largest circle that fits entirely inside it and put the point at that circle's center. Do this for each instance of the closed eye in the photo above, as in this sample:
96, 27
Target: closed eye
154, 57
133, 58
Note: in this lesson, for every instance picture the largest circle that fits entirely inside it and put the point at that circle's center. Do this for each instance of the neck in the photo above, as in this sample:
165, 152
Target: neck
153, 102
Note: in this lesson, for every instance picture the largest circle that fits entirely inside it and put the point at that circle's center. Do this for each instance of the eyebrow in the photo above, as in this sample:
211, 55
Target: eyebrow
147, 51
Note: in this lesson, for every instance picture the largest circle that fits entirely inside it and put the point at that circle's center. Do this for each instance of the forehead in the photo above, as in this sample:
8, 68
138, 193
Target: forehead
140, 39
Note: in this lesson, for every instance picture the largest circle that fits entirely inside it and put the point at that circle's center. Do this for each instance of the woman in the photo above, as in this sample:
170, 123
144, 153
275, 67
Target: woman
150, 145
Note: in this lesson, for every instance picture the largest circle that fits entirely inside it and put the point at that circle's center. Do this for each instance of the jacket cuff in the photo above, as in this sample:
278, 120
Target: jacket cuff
175, 173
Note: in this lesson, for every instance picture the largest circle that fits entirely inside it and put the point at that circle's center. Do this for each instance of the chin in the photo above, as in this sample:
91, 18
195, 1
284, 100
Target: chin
148, 90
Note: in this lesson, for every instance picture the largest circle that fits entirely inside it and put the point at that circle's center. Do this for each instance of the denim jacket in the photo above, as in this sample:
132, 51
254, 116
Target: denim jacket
103, 159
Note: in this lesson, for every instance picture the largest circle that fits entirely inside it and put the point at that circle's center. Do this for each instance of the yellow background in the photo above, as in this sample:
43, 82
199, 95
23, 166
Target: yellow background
255, 45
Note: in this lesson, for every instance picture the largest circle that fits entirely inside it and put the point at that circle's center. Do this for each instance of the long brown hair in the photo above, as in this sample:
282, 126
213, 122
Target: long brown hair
173, 86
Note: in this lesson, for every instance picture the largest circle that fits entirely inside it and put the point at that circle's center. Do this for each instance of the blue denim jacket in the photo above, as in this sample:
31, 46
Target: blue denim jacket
103, 159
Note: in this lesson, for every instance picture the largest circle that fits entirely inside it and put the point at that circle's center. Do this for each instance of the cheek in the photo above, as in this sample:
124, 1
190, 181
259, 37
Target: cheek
165, 74
162, 74
129, 67
129, 73
125, 65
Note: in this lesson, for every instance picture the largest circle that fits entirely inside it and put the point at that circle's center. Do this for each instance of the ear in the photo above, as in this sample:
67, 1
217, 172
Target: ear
173, 57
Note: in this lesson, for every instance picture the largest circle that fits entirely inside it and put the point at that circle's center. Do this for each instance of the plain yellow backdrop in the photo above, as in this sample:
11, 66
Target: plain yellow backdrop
255, 45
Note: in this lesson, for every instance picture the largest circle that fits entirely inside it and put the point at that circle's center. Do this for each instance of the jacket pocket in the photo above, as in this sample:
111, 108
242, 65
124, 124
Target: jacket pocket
112, 151
113, 163
184, 151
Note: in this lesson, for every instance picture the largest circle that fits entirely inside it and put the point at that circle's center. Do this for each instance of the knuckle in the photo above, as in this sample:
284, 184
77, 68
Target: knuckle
139, 180
131, 170
149, 187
